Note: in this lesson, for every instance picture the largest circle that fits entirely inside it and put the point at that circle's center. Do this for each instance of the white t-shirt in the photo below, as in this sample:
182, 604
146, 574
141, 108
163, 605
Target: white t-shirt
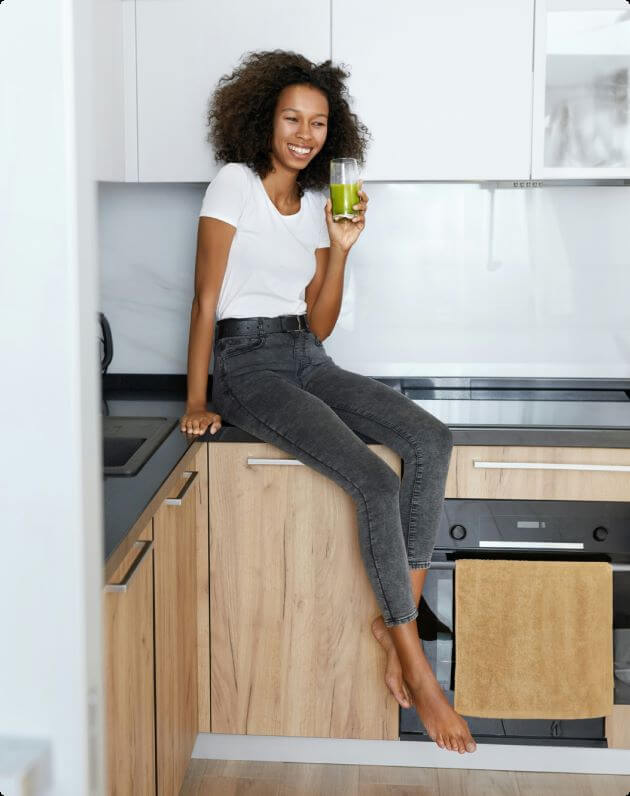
272, 256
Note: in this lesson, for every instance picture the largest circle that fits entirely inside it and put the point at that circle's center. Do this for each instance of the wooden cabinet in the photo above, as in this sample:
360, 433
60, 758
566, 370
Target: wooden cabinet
183, 48
540, 473
291, 604
157, 639
176, 676
618, 727
445, 88
128, 671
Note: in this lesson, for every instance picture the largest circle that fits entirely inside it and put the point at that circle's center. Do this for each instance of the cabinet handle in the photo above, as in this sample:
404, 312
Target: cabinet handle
177, 501
253, 460
122, 586
608, 468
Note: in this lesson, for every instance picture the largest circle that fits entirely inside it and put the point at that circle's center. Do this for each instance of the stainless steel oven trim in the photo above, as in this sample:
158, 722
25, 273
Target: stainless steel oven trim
451, 565
533, 545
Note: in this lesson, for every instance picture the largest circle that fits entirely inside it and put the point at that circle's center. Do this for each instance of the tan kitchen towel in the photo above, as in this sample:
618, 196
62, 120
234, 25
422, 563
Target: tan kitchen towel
533, 639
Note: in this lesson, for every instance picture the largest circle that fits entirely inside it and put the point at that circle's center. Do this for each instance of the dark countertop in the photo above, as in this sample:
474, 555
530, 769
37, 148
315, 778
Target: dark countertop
125, 497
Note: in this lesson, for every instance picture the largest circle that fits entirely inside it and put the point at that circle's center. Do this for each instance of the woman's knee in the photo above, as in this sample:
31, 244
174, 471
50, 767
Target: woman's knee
435, 438
379, 480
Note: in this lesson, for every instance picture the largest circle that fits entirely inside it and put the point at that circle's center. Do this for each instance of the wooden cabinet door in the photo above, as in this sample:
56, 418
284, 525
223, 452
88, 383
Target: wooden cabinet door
203, 591
618, 727
183, 48
174, 526
445, 88
542, 473
128, 670
291, 604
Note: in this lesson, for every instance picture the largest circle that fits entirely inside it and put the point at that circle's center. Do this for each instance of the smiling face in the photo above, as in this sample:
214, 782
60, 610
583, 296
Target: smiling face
300, 121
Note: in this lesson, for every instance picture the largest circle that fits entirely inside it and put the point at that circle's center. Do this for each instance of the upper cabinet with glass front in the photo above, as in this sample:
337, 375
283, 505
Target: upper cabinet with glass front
581, 126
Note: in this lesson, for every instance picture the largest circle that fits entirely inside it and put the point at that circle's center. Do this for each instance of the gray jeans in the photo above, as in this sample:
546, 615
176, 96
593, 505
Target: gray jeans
283, 388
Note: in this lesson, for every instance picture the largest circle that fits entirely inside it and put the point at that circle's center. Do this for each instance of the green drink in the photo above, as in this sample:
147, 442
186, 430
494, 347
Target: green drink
344, 187
344, 196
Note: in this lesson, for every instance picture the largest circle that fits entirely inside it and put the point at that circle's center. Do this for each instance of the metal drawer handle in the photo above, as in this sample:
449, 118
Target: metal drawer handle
177, 501
253, 460
122, 586
608, 468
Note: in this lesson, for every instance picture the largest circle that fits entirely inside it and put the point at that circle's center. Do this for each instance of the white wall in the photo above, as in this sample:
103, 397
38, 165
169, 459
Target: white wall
446, 280
51, 548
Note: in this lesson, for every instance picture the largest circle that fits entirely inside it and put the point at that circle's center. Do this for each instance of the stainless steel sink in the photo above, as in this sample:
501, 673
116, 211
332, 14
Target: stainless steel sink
129, 442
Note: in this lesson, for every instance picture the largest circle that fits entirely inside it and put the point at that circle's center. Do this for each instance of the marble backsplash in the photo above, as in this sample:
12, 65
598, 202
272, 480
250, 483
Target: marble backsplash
446, 280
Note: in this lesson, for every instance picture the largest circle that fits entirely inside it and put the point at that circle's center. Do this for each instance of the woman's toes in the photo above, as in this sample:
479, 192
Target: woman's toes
471, 746
439, 741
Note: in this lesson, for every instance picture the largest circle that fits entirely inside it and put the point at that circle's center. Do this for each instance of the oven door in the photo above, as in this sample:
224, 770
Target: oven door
435, 628
574, 530
436, 631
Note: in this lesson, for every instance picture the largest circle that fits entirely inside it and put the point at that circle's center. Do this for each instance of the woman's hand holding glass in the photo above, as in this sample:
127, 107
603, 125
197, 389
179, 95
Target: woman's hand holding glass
345, 232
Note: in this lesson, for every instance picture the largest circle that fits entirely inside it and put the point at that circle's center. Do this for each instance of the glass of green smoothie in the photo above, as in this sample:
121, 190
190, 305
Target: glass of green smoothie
344, 187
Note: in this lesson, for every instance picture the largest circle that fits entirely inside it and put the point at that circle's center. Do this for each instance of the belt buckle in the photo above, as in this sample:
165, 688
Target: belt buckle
299, 323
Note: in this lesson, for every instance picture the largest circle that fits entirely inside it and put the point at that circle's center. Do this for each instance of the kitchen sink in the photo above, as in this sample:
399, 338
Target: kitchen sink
129, 442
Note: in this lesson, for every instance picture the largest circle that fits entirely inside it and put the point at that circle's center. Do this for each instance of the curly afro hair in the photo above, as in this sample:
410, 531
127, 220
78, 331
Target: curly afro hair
241, 112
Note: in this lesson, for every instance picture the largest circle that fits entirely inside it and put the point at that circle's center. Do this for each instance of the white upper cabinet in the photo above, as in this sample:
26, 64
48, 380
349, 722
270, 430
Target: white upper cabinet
444, 87
582, 89
183, 48
114, 95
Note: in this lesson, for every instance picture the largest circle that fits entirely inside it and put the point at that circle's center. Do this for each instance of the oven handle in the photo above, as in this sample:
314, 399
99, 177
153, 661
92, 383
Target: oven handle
533, 545
451, 565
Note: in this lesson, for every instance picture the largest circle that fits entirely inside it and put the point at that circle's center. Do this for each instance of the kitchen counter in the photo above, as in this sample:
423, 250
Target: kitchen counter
126, 497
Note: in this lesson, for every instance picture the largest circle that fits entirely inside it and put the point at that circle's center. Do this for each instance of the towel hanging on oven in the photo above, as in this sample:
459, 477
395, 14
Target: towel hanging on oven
533, 639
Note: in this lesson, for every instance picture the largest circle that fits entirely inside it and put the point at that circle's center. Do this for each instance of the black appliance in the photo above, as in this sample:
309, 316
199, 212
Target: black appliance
106, 344
531, 530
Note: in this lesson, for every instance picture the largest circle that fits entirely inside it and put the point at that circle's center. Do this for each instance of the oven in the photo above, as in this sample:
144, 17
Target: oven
532, 530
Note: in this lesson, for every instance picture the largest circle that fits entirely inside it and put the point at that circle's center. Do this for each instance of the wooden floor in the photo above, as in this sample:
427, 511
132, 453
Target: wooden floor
233, 778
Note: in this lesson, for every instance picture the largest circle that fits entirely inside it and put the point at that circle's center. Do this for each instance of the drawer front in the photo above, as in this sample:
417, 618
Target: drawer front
542, 473
129, 673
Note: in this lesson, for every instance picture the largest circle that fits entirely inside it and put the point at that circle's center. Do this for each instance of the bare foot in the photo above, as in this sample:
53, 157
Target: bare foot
393, 670
445, 726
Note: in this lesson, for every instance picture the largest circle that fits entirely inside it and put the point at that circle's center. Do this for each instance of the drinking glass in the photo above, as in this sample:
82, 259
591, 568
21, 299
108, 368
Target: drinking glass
344, 187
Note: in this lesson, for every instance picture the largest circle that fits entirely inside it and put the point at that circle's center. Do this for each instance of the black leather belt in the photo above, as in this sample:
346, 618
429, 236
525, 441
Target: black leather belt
281, 323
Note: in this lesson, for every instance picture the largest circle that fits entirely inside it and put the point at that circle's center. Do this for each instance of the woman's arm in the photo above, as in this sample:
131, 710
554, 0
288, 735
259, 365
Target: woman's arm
214, 239
325, 290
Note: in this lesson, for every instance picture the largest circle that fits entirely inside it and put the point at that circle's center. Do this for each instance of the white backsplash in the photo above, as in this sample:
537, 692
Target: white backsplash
446, 280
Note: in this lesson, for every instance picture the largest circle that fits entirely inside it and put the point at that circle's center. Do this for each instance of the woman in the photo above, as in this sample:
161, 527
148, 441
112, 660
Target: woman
269, 272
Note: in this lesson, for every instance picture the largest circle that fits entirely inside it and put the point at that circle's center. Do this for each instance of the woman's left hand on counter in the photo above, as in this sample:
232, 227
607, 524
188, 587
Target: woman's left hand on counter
345, 232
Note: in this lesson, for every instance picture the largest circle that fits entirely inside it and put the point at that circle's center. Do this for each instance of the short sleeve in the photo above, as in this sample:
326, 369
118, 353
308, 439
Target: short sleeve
226, 195
323, 240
